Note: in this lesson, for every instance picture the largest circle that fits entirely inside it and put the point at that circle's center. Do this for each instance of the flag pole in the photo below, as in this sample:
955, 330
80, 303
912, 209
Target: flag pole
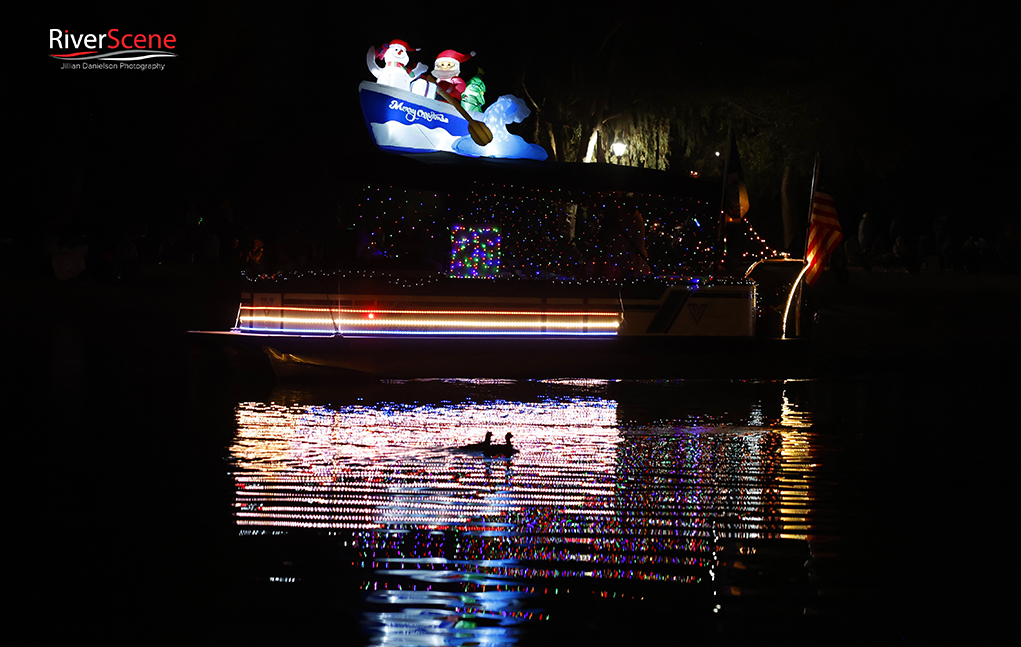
811, 204
798, 289
721, 245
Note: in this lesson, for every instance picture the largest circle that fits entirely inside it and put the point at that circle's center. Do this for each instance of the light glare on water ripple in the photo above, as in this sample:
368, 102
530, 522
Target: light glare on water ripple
606, 496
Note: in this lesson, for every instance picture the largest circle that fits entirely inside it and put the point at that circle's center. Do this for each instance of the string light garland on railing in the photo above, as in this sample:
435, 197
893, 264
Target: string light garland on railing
421, 280
752, 246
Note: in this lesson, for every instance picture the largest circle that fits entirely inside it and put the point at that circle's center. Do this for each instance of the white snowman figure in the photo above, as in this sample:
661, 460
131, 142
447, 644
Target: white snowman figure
394, 71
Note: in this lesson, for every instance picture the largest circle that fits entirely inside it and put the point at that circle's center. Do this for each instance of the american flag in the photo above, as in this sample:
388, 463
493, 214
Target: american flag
823, 236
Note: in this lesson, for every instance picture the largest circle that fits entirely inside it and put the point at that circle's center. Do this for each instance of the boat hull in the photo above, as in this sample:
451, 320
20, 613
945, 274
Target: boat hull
367, 327
404, 122
301, 358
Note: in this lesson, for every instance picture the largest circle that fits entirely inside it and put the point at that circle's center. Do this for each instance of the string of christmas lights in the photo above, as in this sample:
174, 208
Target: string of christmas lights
541, 232
503, 230
748, 246
475, 251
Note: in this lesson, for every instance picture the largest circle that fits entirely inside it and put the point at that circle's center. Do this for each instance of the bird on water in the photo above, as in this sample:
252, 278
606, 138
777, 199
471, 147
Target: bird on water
501, 450
481, 447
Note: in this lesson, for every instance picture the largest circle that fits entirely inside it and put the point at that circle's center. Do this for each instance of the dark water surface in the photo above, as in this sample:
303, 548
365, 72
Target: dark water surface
623, 496
154, 499
634, 512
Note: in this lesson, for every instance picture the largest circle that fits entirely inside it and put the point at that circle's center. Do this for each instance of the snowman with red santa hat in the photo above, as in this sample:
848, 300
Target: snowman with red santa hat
394, 71
447, 70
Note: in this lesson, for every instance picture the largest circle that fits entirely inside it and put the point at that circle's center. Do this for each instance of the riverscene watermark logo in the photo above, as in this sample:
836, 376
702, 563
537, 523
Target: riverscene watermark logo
112, 50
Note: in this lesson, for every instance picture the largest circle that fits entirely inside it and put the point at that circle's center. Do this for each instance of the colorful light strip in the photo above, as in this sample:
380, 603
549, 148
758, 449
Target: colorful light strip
502, 323
523, 313
436, 327
472, 333
449, 333
440, 323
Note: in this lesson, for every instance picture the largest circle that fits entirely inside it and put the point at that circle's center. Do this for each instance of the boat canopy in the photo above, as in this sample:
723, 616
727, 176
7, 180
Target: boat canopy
447, 171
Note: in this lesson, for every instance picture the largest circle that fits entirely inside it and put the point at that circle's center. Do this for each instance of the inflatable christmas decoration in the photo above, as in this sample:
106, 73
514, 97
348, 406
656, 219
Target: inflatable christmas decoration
410, 111
394, 71
473, 97
447, 70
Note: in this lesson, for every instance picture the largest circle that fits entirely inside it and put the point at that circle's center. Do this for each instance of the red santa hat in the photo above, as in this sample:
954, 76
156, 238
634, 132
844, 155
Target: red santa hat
381, 51
451, 54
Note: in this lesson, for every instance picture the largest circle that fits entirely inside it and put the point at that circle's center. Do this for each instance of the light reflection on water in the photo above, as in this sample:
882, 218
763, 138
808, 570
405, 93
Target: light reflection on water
617, 489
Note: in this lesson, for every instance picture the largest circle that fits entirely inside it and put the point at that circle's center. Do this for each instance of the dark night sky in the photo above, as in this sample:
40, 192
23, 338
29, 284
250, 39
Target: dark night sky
261, 103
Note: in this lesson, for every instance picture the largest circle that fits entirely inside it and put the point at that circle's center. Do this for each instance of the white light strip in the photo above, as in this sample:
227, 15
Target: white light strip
523, 313
290, 332
435, 323
288, 320
531, 333
449, 333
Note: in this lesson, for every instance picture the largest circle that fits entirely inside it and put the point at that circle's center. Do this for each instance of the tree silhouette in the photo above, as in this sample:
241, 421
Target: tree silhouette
673, 100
